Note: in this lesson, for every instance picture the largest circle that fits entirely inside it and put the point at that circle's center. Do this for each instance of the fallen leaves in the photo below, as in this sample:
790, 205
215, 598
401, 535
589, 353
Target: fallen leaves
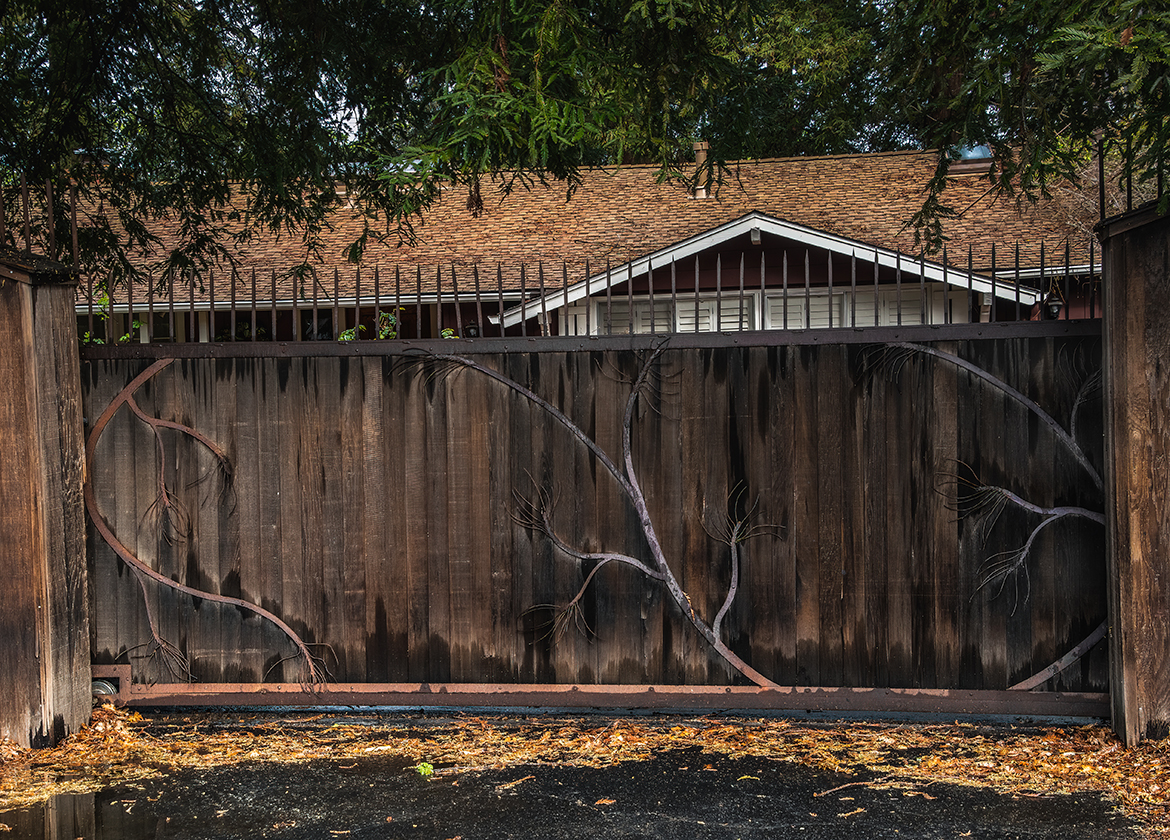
605, 802
507, 785
120, 747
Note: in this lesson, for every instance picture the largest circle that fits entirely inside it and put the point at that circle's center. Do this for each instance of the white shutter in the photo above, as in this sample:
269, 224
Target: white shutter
939, 298
818, 308
736, 313
620, 317
690, 312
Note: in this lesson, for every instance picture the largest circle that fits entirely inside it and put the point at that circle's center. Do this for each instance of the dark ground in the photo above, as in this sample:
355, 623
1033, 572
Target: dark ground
679, 794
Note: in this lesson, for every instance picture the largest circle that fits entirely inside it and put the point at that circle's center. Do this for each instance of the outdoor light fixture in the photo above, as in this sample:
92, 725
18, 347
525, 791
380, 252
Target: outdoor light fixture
1052, 305
471, 331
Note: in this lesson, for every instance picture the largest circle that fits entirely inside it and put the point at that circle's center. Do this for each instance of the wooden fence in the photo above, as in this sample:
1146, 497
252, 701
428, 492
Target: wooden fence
375, 504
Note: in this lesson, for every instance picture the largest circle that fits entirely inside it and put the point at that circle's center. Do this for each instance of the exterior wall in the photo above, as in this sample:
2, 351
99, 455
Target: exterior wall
770, 309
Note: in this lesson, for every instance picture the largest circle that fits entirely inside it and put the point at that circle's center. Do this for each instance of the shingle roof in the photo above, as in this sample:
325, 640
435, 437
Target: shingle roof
617, 215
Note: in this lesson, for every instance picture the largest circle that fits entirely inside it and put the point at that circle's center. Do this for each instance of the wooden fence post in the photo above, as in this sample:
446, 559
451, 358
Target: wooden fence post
44, 614
1136, 254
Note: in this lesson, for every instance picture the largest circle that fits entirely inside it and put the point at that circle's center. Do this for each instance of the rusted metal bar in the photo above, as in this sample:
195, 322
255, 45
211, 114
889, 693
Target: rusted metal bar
852, 288
588, 300
89, 302
1092, 284
439, 300
316, 328
784, 274
232, 317
630, 294
418, 301
27, 220
254, 327
455, 296
72, 225
742, 257
661, 697
1101, 177
1016, 277
807, 293
876, 289
150, 307
337, 325
397, 302
1128, 174
946, 289
763, 294
500, 288
129, 308
696, 292
51, 222
994, 295
898, 283
377, 303
544, 326
357, 303
211, 304
170, 311
1066, 292
564, 280
523, 304
923, 298
479, 298
829, 270
273, 305
650, 287
1044, 282
718, 325
192, 317
608, 300
971, 316
674, 296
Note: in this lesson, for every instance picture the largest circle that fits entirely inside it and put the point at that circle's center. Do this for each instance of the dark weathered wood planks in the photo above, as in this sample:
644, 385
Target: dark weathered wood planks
379, 500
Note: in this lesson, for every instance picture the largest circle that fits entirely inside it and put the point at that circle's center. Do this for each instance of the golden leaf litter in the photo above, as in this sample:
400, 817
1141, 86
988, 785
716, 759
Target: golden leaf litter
120, 747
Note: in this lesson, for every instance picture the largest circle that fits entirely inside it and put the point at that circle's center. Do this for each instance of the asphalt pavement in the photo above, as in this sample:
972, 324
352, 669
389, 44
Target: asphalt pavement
677, 794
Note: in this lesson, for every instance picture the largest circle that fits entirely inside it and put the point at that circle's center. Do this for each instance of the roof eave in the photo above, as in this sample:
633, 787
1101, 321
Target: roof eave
766, 224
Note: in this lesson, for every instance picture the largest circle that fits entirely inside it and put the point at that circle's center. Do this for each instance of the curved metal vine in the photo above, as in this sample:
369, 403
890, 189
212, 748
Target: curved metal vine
313, 669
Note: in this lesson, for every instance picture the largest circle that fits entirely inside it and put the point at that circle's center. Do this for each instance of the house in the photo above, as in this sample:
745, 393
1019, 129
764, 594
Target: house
794, 243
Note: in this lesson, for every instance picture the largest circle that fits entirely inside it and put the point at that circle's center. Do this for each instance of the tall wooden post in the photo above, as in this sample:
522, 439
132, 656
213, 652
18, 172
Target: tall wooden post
44, 615
1136, 253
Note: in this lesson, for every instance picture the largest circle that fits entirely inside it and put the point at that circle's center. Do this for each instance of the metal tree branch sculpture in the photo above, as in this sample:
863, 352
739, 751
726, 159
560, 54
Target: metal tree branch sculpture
536, 512
171, 515
988, 501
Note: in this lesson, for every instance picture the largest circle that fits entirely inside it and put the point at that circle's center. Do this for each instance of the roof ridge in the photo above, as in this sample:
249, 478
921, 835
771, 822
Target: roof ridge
613, 169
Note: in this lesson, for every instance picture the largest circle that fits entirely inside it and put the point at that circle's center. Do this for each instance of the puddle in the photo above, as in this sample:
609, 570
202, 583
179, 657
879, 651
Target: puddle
72, 815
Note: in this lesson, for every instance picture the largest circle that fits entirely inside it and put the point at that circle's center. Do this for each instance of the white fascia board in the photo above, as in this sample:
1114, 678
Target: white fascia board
777, 227
1050, 270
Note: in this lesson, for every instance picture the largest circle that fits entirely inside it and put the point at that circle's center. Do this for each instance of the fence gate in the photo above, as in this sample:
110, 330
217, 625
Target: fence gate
910, 519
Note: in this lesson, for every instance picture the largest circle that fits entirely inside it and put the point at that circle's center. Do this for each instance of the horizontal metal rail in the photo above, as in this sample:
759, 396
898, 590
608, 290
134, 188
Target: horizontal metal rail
565, 344
649, 697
